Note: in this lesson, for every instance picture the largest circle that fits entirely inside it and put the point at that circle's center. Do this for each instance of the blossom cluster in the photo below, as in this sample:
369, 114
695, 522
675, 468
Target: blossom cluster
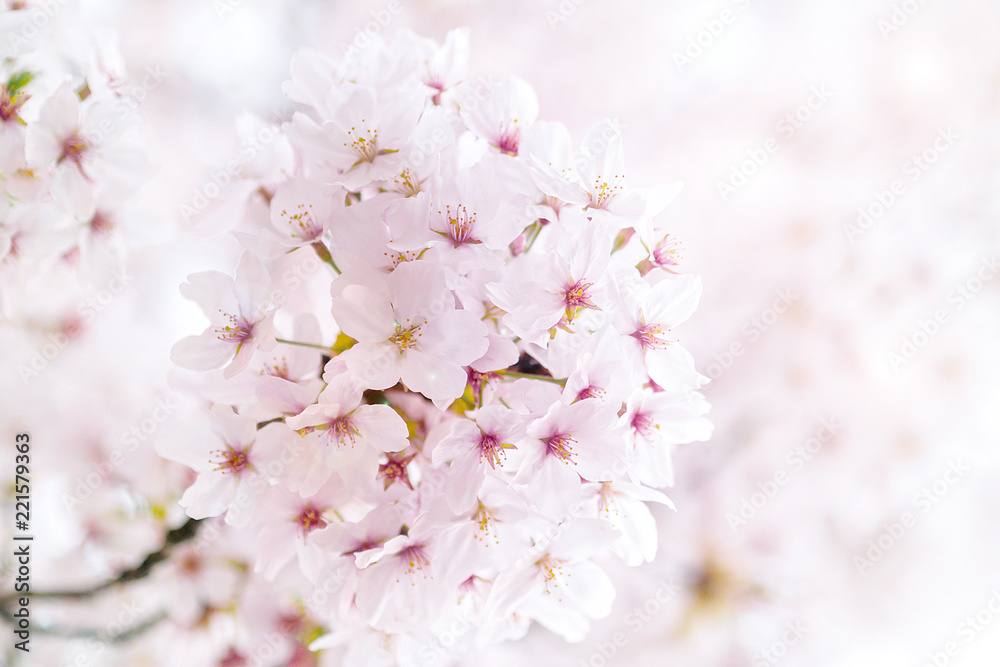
442, 377
71, 158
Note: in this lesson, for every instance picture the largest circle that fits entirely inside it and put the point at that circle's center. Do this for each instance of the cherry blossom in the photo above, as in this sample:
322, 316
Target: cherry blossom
240, 313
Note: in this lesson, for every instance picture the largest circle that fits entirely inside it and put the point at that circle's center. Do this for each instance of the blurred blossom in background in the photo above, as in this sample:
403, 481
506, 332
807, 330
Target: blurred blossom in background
840, 163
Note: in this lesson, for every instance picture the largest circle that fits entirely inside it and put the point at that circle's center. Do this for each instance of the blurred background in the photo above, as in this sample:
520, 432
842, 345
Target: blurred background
840, 163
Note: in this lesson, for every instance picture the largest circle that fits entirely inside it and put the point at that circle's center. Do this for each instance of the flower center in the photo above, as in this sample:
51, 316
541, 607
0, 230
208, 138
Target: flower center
278, 369
577, 297
397, 257
603, 191
551, 569
405, 338
651, 336
590, 391
304, 225
342, 429
560, 445
460, 226
310, 519
364, 143
509, 138
415, 558
483, 518
73, 149
407, 183
239, 329
665, 252
395, 469
233, 658
644, 425
491, 449
232, 460
8, 105
101, 224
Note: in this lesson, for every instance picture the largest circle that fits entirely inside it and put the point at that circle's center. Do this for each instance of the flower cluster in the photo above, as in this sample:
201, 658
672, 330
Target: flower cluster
442, 375
70, 160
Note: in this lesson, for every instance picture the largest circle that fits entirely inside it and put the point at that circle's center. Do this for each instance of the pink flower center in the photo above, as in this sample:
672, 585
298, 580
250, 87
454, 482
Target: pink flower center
101, 224
560, 445
232, 460
590, 391
395, 470
577, 297
415, 558
508, 138
8, 107
643, 424
651, 336
233, 658
73, 149
491, 449
437, 84
603, 192
239, 330
290, 624
310, 519
665, 252
342, 429
460, 225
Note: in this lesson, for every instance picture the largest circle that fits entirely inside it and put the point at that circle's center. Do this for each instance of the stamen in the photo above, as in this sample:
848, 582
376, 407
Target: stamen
651, 337
231, 460
395, 469
364, 143
406, 338
239, 330
643, 425
311, 518
492, 450
560, 445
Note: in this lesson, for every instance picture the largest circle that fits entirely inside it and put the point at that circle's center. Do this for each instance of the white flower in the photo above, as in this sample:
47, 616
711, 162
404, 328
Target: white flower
408, 330
241, 316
